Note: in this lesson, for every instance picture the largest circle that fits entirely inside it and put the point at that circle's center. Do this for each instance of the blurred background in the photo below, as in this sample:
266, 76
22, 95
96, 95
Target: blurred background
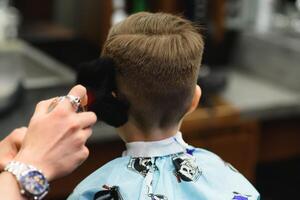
250, 77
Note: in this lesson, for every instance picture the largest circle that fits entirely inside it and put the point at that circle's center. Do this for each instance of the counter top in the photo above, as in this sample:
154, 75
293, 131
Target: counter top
257, 98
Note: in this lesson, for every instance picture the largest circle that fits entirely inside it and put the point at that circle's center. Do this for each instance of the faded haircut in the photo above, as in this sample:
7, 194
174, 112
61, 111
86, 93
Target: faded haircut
158, 57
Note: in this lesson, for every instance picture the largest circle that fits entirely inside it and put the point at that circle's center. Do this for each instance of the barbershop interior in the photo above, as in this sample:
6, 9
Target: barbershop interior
250, 105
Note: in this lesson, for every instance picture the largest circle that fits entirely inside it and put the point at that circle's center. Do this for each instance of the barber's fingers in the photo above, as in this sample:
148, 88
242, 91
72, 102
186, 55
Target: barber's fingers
86, 119
87, 132
82, 155
80, 138
77, 91
42, 107
16, 137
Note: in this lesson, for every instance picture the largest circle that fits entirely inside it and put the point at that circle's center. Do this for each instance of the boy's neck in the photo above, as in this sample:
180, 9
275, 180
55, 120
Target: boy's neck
130, 133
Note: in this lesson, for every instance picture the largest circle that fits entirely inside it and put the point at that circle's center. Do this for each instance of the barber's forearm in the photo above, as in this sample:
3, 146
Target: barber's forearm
9, 188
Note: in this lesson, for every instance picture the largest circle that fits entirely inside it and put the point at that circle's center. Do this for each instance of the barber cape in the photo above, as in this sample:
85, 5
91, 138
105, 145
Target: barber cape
168, 169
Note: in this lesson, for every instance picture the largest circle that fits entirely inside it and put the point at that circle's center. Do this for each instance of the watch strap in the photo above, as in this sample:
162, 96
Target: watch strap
17, 168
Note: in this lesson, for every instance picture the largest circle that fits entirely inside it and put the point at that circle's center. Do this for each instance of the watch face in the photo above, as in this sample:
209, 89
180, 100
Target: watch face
34, 183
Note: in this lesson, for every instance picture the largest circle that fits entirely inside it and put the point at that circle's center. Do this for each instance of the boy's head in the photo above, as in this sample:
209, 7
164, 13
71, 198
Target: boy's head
158, 58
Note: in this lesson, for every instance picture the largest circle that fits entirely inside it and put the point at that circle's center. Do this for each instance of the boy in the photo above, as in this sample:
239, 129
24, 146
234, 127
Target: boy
157, 57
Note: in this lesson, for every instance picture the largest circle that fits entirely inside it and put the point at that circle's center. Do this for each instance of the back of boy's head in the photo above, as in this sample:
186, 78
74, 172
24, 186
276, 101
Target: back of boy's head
158, 58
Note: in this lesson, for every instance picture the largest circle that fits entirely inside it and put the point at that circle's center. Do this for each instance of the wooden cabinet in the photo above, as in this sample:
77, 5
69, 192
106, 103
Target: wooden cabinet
280, 139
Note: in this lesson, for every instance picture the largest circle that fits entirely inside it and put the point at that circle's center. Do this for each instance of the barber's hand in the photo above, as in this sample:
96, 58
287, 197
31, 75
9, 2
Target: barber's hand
55, 141
10, 146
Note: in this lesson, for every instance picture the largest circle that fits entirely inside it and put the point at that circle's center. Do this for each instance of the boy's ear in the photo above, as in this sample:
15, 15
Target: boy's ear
195, 100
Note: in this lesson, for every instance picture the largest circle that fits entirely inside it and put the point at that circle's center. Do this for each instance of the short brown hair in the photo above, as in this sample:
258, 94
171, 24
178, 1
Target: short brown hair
158, 57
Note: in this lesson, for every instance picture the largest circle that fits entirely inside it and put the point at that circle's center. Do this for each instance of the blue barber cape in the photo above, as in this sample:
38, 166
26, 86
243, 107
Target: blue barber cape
167, 169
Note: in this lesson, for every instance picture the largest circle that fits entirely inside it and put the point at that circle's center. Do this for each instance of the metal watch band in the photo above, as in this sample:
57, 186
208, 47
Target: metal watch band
18, 169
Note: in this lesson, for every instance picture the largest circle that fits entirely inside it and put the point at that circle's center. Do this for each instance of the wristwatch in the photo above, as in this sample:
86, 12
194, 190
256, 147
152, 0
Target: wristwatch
32, 182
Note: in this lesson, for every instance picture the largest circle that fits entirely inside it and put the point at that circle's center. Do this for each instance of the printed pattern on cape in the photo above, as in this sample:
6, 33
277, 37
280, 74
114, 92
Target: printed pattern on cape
109, 193
157, 197
145, 166
186, 168
238, 196
140, 165
149, 185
